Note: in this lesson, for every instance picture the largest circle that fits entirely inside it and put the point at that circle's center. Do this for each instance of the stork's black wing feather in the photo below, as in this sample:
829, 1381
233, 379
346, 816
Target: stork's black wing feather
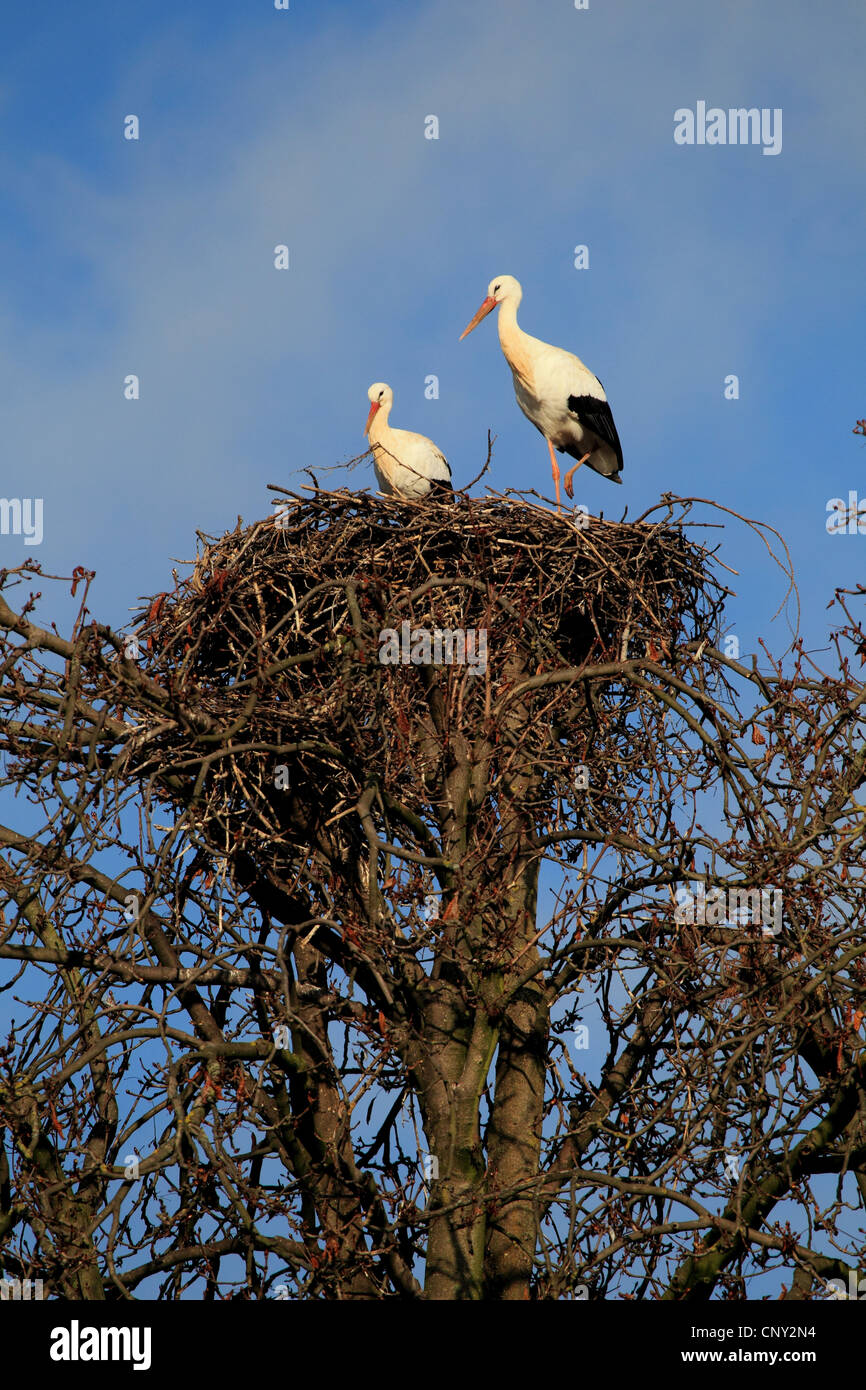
442, 488
598, 417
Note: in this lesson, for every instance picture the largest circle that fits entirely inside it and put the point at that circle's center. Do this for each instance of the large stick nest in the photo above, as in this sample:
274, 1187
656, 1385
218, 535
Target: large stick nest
272, 651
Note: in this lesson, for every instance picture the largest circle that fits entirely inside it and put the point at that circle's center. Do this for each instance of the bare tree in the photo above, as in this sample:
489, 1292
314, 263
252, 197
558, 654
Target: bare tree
423, 902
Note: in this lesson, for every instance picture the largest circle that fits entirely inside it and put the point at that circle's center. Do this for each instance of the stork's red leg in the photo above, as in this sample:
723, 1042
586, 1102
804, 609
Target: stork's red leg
556, 476
571, 472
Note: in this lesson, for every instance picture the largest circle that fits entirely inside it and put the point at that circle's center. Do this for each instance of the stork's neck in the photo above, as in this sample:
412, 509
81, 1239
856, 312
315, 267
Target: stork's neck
512, 339
383, 443
379, 424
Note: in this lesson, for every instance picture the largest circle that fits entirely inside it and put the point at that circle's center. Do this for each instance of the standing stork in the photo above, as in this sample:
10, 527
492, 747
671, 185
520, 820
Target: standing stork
555, 390
405, 464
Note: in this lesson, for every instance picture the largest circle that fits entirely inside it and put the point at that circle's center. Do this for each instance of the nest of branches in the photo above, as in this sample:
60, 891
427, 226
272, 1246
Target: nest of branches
304, 669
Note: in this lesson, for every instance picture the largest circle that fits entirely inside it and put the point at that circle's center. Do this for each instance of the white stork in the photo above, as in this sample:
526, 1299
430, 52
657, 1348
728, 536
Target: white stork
555, 390
405, 464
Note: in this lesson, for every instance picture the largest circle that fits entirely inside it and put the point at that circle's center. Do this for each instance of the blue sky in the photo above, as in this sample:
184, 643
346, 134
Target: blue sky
306, 127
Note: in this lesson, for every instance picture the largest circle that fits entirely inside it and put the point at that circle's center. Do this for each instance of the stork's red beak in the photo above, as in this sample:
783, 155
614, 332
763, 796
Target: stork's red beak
373, 408
489, 303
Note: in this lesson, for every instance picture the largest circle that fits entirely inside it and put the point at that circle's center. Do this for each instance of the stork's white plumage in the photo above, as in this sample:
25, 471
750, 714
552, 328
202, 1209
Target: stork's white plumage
555, 390
405, 464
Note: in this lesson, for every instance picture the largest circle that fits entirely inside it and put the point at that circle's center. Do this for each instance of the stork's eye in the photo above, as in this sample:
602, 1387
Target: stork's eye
381, 394
496, 289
